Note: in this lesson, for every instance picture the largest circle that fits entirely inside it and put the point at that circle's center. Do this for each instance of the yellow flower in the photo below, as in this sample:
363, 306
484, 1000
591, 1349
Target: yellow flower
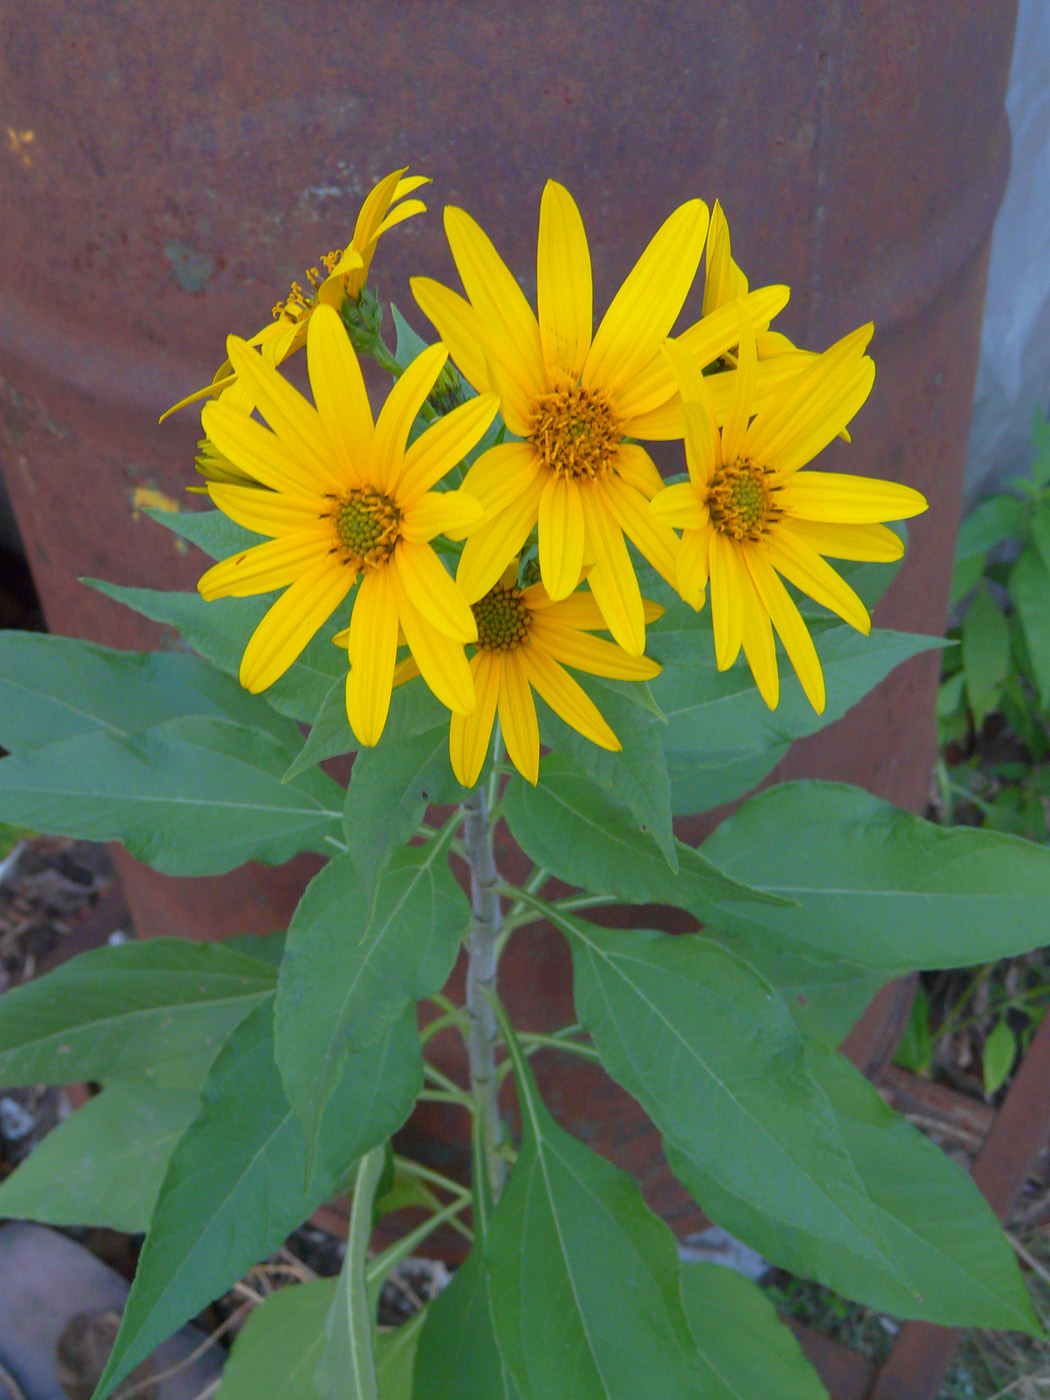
525, 640
345, 276
573, 398
347, 500
750, 514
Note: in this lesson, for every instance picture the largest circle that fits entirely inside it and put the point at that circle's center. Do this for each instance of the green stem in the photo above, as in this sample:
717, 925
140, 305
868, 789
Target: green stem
433, 1178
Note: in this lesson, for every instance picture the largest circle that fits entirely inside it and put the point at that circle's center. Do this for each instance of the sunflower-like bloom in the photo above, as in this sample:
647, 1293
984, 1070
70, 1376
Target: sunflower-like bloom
750, 514
525, 640
344, 277
346, 500
573, 399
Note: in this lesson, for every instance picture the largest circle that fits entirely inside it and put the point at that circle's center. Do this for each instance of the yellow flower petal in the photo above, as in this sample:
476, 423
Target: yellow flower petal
563, 277
516, 402
499, 301
566, 697
797, 424
789, 624
805, 568
296, 422
258, 452
491, 547
740, 407
265, 567
839, 499
634, 465
680, 505
580, 609
436, 451
408, 210
291, 622
727, 603
404, 671
458, 325
339, 393
441, 513
441, 661
501, 475
630, 509
469, 735
864, 542
692, 566
561, 535
432, 592
646, 306
209, 391
517, 717
759, 647
612, 580
585, 653
373, 652
724, 281
270, 512
398, 414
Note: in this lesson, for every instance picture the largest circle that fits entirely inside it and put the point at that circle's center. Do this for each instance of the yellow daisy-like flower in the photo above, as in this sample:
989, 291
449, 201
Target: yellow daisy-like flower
749, 513
347, 499
525, 640
573, 398
344, 277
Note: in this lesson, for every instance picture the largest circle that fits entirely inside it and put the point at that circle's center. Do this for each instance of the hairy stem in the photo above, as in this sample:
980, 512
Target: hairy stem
481, 983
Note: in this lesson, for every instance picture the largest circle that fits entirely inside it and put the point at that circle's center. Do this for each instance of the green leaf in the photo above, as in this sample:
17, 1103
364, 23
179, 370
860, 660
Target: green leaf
915, 1048
391, 787
54, 688
985, 653
330, 734
220, 630
635, 779
583, 1277
1029, 593
104, 1164
408, 346
713, 1057
879, 886
940, 1232
194, 796
237, 1182
457, 1354
396, 1357
157, 1010
211, 531
993, 520
746, 1352
722, 738
277, 1351
347, 1369
571, 828
355, 959
1000, 1051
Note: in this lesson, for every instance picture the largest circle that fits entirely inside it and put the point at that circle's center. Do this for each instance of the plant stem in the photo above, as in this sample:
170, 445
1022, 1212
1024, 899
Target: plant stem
481, 982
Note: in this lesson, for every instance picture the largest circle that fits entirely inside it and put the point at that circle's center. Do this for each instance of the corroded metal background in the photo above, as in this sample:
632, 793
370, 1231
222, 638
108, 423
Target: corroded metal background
166, 170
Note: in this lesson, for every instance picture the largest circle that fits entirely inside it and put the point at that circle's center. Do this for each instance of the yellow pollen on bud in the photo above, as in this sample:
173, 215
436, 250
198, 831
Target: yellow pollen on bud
741, 501
576, 433
503, 619
367, 528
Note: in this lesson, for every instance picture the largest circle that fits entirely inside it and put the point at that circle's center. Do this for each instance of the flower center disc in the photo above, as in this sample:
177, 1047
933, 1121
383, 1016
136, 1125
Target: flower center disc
503, 619
576, 433
368, 526
740, 500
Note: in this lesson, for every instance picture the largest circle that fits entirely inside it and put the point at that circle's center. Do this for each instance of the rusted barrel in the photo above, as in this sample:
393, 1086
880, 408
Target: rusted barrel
168, 169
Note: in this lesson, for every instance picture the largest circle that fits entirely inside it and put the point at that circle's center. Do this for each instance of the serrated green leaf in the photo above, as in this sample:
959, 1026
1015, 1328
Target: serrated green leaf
939, 1230
237, 1182
583, 1277
54, 688
1030, 595
456, 1354
103, 1165
571, 828
746, 1352
985, 654
330, 734
634, 779
1000, 1051
391, 787
194, 796
211, 531
878, 886
157, 1010
277, 1351
355, 959
220, 630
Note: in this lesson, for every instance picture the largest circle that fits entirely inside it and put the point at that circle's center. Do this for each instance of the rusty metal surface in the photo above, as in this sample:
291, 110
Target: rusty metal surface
168, 170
